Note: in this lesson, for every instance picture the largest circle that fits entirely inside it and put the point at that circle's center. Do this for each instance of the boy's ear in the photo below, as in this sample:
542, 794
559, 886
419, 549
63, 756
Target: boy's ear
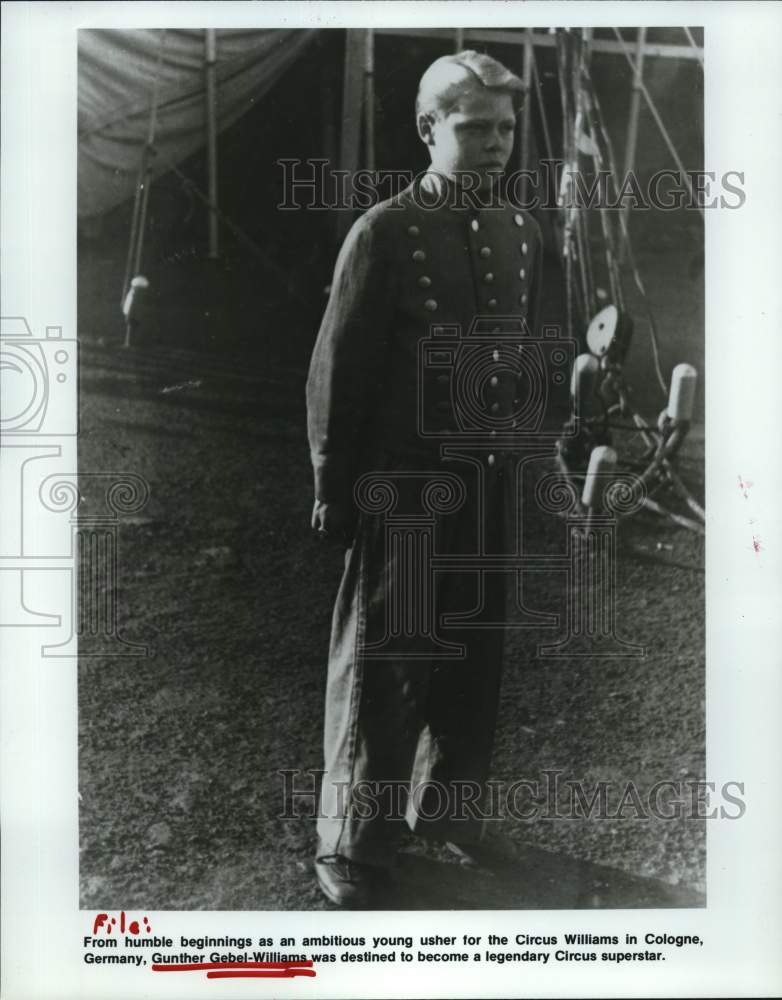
425, 121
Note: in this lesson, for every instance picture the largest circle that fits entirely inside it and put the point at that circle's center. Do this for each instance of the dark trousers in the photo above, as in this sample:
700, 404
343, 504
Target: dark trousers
411, 697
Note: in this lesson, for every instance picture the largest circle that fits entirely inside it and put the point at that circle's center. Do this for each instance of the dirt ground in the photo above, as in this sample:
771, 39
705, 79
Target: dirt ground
180, 750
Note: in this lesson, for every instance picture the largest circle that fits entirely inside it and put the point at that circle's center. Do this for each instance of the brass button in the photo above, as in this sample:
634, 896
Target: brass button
491, 459
488, 277
492, 303
523, 299
485, 252
424, 281
518, 219
523, 273
413, 231
419, 255
523, 247
474, 225
495, 354
430, 305
494, 380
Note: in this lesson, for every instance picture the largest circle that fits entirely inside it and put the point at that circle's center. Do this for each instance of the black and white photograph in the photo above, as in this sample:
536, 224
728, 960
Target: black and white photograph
401, 334
389, 546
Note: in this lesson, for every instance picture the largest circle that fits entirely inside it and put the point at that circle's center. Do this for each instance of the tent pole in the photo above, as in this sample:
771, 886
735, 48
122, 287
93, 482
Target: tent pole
136, 245
210, 42
131, 256
329, 114
632, 125
526, 110
350, 137
369, 98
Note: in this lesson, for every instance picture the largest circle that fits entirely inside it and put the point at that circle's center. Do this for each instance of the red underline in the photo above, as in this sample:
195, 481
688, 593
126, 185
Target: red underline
247, 970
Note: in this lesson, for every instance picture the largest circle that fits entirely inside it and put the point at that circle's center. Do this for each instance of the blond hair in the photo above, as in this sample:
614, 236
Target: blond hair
450, 77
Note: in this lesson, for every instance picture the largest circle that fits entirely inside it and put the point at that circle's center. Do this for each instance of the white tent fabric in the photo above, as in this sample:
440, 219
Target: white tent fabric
116, 74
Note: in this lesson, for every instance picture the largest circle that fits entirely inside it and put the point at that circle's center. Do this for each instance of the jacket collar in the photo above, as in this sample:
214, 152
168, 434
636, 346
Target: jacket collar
435, 190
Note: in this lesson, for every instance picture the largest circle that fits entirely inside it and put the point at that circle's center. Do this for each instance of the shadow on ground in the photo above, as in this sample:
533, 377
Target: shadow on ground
524, 879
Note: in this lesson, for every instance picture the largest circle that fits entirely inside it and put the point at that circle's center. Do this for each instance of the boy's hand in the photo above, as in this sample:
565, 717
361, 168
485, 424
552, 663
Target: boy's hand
334, 521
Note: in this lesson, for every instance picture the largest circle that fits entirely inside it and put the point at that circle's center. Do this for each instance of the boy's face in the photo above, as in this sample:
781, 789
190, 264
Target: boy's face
476, 135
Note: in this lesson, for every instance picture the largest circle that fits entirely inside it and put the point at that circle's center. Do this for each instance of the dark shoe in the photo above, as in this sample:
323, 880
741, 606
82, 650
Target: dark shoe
346, 882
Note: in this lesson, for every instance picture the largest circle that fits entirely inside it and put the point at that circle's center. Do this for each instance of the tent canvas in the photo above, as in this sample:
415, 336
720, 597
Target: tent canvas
118, 71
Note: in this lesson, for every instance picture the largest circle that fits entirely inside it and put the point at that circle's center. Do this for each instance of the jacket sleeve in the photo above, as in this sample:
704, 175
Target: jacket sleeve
348, 360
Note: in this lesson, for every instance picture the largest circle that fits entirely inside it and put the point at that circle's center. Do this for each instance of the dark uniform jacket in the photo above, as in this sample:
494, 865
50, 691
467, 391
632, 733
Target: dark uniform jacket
407, 274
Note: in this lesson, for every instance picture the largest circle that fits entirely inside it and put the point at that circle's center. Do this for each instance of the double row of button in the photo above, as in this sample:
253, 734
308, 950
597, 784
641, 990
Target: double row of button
485, 253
